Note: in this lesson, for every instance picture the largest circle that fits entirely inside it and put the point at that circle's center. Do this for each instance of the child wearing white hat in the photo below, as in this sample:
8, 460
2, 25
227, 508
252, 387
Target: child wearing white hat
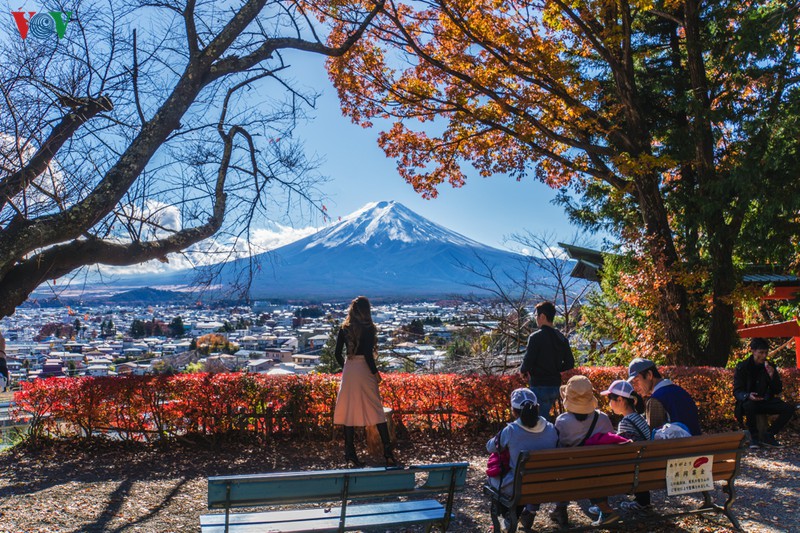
624, 401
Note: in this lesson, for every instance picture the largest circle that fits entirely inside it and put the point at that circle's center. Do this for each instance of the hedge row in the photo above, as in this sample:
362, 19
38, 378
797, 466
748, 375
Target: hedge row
211, 405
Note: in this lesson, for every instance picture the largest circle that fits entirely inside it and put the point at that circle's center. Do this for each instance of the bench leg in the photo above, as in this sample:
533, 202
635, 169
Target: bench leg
708, 501
495, 511
731, 491
709, 505
734, 520
513, 520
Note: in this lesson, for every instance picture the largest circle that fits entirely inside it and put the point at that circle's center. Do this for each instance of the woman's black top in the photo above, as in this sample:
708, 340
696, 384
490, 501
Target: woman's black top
365, 346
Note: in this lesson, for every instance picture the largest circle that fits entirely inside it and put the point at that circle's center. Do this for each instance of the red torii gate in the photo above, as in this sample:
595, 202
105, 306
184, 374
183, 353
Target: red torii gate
790, 328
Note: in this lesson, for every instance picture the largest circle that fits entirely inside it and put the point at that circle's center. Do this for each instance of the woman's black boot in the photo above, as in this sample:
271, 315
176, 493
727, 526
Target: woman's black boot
383, 430
350, 448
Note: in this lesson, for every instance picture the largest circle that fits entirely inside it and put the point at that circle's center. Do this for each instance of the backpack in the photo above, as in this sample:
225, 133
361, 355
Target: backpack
673, 430
606, 438
499, 462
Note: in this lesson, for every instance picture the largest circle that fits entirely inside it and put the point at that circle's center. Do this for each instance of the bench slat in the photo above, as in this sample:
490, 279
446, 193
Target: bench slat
722, 470
264, 490
570, 495
317, 520
561, 457
545, 477
700, 445
302, 487
647, 480
599, 483
661, 461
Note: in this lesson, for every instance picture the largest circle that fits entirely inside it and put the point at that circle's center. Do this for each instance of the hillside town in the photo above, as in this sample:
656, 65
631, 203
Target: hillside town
262, 338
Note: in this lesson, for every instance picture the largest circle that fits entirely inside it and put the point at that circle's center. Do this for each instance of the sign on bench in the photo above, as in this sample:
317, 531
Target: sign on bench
690, 474
334, 486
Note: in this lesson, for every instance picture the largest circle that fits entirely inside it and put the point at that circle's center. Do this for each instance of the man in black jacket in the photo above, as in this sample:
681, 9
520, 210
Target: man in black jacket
547, 355
756, 386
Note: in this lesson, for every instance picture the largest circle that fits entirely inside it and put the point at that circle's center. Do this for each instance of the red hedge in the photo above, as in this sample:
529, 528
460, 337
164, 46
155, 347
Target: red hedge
155, 407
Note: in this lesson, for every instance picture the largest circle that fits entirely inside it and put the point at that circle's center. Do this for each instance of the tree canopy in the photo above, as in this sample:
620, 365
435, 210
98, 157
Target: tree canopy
119, 146
673, 123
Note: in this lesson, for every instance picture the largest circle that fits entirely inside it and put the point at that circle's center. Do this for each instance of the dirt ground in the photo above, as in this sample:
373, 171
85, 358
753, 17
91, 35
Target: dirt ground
97, 486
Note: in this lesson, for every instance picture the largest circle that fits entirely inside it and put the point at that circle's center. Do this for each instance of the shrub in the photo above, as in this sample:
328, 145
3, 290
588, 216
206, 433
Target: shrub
214, 405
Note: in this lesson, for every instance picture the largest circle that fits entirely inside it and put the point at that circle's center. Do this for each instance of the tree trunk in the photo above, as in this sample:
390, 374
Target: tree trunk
722, 329
673, 304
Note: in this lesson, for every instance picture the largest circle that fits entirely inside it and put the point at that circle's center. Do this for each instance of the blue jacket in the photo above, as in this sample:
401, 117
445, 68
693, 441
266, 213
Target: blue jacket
680, 407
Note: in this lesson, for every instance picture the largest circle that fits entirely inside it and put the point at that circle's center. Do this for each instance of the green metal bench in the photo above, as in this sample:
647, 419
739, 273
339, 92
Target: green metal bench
336, 487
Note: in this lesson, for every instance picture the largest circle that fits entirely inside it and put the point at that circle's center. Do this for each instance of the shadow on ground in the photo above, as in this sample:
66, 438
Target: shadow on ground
100, 486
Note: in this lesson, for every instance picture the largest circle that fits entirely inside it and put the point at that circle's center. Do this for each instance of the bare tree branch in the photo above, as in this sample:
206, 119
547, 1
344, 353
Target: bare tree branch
146, 176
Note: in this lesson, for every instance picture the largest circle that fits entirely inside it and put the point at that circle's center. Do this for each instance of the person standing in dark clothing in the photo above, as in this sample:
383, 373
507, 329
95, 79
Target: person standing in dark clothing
756, 386
547, 355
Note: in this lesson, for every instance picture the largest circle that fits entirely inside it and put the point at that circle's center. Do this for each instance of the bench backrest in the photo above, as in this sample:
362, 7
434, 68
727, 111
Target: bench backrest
565, 474
332, 485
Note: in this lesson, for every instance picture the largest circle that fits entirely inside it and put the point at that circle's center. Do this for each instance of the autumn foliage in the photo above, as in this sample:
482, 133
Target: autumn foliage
672, 125
259, 406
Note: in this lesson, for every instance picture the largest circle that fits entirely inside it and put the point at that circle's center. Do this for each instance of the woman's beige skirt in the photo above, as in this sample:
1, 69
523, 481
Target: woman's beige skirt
359, 401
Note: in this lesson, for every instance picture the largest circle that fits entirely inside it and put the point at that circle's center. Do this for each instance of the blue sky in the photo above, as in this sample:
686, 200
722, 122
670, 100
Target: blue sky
485, 209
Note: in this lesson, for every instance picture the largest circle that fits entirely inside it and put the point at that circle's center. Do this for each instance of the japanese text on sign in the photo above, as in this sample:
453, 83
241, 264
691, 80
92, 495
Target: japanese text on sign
690, 474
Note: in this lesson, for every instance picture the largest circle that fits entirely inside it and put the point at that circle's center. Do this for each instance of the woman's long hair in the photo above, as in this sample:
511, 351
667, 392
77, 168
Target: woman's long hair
359, 316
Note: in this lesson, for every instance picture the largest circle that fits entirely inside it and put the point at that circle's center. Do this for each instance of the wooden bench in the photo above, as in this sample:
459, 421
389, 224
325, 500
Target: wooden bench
338, 487
568, 474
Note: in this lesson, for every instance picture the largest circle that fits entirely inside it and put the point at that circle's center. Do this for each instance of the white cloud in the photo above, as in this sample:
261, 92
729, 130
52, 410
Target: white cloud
556, 252
213, 251
166, 216
38, 195
159, 219
269, 239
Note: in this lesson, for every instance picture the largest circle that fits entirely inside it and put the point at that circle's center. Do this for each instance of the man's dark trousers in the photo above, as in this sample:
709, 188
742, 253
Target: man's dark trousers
773, 406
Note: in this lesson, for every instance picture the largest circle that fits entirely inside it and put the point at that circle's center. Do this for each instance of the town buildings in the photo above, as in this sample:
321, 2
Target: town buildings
264, 338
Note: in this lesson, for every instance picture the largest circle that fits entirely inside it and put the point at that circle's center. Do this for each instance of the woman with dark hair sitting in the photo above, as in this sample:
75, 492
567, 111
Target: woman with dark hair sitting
527, 432
359, 400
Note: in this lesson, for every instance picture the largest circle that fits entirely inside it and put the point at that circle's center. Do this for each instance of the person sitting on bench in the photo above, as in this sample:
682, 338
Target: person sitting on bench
667, 401
530, 431
756, 387
575, 427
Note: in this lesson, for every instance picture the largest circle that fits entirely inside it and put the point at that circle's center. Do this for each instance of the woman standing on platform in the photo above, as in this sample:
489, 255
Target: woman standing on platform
359, 401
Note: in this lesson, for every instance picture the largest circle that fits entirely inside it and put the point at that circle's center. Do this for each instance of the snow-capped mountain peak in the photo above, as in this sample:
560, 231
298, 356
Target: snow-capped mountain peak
382, 250
380, 223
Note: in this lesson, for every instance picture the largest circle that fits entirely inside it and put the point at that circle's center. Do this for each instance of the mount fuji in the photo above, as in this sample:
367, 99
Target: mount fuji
382, 250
